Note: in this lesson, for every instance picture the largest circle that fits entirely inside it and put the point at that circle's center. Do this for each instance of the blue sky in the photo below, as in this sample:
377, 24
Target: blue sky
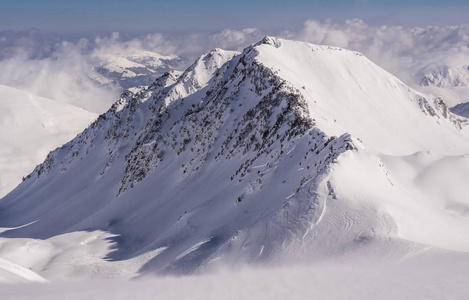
185, 16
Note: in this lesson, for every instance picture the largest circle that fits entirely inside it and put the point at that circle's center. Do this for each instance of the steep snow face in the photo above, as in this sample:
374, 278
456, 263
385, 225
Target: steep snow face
244, 157
30, 127
346, 92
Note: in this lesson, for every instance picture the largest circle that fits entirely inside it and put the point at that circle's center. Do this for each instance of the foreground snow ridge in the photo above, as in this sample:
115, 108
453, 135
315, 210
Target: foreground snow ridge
286, 151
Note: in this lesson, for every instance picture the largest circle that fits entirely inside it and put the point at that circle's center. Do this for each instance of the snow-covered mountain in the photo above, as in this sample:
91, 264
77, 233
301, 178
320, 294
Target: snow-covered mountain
446, 76
285, 150
448, 81
454, 81
30, 127
133, 69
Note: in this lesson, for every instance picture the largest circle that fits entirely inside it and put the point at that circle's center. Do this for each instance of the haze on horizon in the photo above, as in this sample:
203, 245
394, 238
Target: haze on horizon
47, 38
182, 17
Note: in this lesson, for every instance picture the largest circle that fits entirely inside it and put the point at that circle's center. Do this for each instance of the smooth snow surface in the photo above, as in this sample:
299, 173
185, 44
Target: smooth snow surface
13, 273
286, 152
437, 278
30, 127
425, 194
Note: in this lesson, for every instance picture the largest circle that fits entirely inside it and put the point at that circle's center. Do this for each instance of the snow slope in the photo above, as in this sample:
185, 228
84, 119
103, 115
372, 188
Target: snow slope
13, 273
30, 127
356, 95
286, 151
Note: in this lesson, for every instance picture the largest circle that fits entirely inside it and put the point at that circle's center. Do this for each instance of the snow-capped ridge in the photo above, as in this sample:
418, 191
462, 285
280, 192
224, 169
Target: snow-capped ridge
337, 81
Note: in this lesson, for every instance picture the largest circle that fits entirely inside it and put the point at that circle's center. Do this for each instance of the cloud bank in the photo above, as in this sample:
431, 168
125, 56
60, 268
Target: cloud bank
54, 69
405, 52
60, 69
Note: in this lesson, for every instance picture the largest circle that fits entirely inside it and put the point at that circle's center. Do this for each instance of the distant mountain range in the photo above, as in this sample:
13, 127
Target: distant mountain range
451, 82
136, 69
447, 77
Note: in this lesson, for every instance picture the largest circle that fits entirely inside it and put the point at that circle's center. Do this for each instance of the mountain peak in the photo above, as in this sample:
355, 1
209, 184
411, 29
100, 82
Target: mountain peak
237, 158
273, 41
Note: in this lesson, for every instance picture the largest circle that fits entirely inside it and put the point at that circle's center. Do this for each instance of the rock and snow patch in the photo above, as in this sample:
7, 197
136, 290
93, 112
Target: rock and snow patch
448, 81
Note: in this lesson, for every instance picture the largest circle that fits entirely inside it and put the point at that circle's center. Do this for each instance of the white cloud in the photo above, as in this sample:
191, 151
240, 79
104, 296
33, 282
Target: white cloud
59, 69
62, 77
63, 70
230, 39
402, 51
52, 68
